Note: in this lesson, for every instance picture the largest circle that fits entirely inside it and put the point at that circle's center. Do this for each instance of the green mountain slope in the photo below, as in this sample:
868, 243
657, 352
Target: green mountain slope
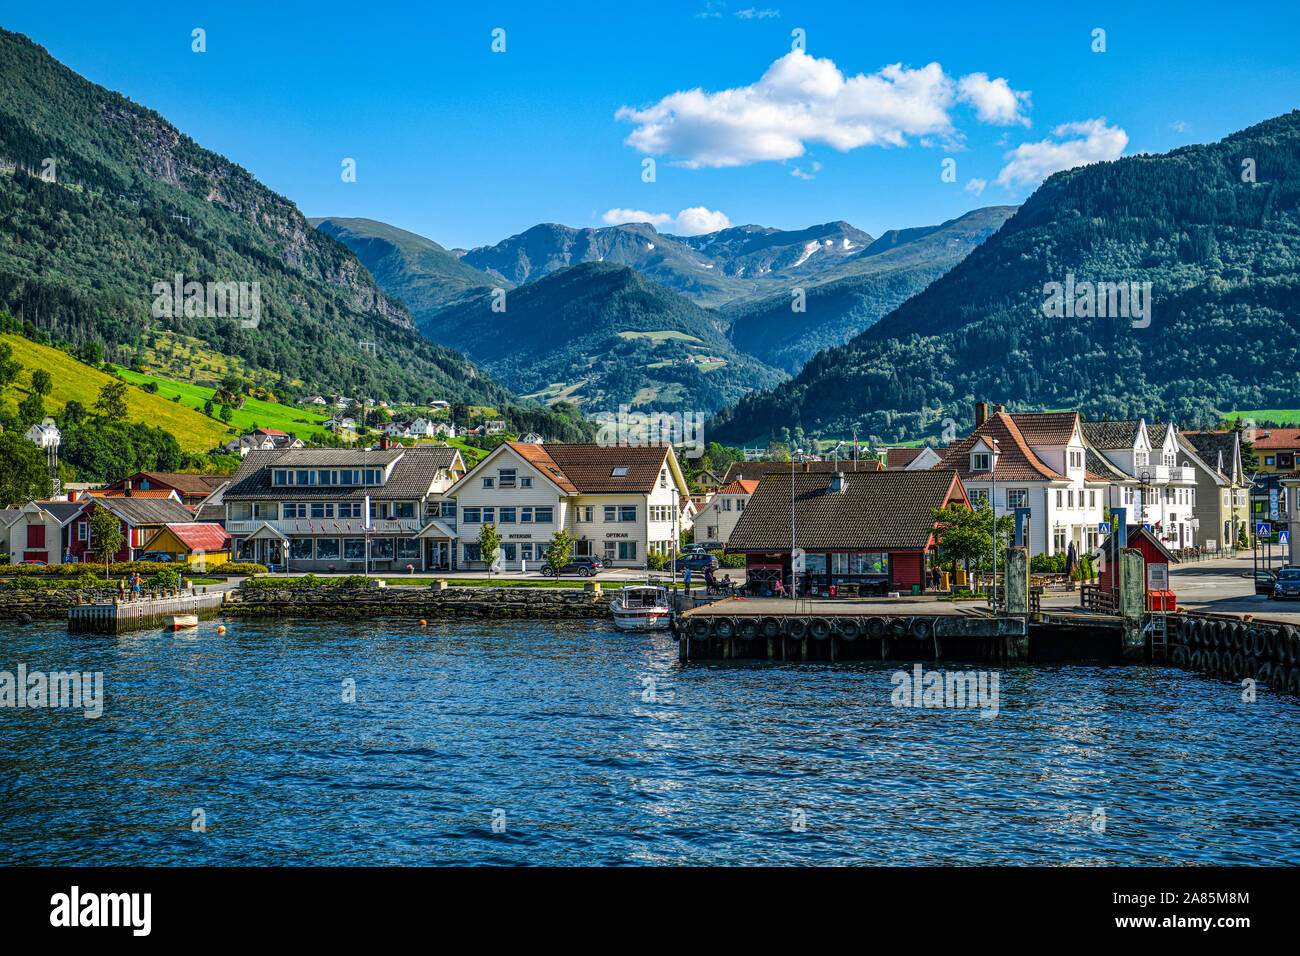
856, 293
602, 335
133, 201
418, 271
1222, 254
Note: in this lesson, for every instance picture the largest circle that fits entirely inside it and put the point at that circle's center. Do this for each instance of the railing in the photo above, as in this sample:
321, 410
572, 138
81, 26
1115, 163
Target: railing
346, 526
1093, 598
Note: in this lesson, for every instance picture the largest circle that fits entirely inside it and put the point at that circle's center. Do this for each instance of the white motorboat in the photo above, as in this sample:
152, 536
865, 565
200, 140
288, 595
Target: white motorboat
641, 607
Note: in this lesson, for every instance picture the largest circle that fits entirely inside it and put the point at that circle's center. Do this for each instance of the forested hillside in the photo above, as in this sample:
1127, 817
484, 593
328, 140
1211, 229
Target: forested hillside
1215, 229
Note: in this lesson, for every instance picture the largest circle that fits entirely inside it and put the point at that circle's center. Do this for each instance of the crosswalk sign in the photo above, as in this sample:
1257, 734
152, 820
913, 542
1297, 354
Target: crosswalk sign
1263, 529
1282, 537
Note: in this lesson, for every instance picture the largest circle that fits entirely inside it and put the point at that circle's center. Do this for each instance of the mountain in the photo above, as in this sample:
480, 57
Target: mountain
101, 198
1214, 229
602, 335
711, 269
418, 271
855, 293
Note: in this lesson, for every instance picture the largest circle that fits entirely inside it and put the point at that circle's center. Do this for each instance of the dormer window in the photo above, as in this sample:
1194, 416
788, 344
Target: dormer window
980, 461
1076, 459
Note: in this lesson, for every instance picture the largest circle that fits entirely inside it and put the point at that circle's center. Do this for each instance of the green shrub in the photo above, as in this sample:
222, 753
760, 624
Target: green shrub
164, 580
353, 581
237, 568
729, 560
25, 583
656, 561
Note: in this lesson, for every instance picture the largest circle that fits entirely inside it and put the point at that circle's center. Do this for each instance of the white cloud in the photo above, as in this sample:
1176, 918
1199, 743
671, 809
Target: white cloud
807, 173
995, 101
751, 14
976, 186
695, 221
1074, 144
800, 100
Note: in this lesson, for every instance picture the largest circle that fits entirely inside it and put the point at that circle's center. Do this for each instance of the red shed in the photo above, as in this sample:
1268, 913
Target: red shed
1156, 559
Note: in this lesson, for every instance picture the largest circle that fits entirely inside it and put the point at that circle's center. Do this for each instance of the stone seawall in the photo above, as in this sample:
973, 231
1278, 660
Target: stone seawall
46, 605
487, 602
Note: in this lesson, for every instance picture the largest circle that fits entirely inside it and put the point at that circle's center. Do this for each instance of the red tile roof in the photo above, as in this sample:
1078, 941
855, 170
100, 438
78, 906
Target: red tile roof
901, 457
1277, 438
741, 486
1016, 461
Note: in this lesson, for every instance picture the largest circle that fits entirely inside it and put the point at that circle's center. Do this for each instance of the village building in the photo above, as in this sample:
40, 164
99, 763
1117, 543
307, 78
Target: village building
198, 544
1036, 461
717, 519
190, 489
860, 532
1156, 480
306, 509
263, 439
1222, 507
911, 459
1277, 449
619, 502
45, 530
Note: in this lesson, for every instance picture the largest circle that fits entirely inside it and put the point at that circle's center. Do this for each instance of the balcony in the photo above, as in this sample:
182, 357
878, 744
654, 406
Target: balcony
1166, 474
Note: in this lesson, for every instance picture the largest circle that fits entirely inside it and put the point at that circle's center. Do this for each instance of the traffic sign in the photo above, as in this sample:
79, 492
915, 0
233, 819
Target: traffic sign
1263, 529
1103, 527
1283, 537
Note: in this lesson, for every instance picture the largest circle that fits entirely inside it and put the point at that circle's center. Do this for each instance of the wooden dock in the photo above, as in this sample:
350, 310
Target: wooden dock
119, 617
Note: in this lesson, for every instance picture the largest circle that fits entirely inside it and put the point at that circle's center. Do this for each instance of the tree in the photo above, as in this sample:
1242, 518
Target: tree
31, 410
207, 408
559, 551
41, 382
9, 368
22, 470
226, 413
105, 534
489, 540
112, 401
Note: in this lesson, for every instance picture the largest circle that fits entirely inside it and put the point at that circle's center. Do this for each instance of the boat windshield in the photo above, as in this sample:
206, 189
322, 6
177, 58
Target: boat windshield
641, 597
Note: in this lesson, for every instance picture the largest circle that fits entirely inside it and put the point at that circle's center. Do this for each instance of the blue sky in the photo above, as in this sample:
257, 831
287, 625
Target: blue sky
468, 146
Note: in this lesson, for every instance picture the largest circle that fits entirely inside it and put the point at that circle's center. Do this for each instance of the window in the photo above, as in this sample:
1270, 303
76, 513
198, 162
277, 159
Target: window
525, 515
1076, 459
322, 510
279, 478
489, 515
408, 549
83, 531
349, 509
1060, 498
543, 515
1140, 459
470, 516
1069, 498
725, 504
304, 478
619, 472
506, 478
979, 461
354, 549
1058, 541
507, 516
627, 513
381, 549
627, 550
610, 550
326, 478
294, 509
525, 482
611, 513
1268, 459
979, 497
509, 551
1092, 498
1017, 497
404, 509
526, 552
663, 478
267, 512
489, 482
472, 553
586, 514
447, 509
300, 549
327, 549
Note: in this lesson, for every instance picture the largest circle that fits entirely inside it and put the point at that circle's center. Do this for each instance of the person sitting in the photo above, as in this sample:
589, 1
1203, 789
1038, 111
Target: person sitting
778, 588
710, 582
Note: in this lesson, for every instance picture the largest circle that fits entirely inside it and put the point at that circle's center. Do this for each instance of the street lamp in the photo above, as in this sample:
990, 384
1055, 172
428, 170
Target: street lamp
993, 461
798, 453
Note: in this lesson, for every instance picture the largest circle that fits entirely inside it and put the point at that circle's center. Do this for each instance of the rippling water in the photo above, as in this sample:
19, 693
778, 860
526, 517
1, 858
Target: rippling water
597, 747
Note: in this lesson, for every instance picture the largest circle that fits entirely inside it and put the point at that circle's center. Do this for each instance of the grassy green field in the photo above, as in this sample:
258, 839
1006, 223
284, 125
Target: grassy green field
1283, 416
75, 381
661, 336
286, 418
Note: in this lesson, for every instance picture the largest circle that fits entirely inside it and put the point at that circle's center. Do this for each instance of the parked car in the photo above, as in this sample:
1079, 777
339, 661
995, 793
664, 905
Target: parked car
159, 556
32, 564
584, 566
1264, 582
696, 561
1286, 586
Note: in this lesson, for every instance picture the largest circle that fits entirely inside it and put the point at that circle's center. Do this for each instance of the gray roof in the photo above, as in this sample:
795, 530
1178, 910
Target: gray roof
1112, 434
65, 511
414, 472
148, 510
876, 511
1209, 445
1103, 467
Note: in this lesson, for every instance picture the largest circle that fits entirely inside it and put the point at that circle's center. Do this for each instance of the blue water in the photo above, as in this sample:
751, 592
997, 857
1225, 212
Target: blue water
599, 748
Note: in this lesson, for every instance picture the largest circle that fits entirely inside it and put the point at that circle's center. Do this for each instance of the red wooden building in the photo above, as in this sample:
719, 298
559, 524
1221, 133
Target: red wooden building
872, 530
1156, 559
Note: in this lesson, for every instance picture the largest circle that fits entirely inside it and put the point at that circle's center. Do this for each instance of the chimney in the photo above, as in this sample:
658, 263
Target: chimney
999, 409
383, 443
837, 483
981, 413
807, 467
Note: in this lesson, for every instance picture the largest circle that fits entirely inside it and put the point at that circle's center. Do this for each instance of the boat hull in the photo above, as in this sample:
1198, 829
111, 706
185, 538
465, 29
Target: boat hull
179, 622
641, 619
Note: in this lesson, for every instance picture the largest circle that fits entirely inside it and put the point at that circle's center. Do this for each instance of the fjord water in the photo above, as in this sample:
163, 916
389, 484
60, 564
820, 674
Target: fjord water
593, 747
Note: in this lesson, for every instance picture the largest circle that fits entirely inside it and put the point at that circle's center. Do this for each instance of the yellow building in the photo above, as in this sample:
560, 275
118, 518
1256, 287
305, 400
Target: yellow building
200, 543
